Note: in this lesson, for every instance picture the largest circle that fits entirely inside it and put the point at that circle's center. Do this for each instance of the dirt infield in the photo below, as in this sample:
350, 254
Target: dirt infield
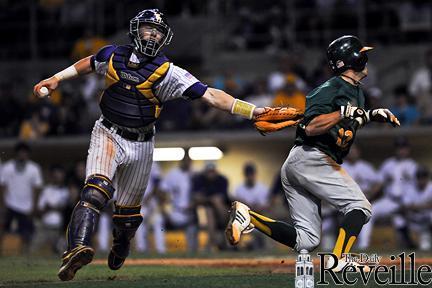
276, 265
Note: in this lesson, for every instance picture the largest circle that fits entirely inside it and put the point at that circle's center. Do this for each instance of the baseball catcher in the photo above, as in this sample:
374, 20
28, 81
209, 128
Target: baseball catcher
139, 79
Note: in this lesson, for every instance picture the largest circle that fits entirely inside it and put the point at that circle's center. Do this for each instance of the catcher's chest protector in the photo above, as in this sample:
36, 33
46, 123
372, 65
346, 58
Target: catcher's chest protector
128, 99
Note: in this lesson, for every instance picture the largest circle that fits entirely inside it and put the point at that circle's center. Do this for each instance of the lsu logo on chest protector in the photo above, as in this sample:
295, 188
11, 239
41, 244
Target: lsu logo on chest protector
129, 77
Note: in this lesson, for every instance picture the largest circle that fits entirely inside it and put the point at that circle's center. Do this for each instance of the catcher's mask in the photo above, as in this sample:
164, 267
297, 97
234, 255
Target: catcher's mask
347, 52
149, 31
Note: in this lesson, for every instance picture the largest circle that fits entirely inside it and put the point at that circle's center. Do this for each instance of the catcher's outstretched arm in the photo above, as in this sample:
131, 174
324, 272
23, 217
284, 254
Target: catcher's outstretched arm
223, 101
322, 123
81, 67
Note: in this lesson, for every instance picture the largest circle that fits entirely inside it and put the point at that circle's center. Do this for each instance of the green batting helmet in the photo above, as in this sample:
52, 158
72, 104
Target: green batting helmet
347, 52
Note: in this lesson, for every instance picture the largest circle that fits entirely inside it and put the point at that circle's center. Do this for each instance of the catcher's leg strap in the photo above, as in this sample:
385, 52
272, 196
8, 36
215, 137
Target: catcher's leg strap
126, 220
96, 193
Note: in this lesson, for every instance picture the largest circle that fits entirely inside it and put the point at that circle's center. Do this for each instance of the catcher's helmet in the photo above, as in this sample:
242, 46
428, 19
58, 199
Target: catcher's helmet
347, 52
151, 46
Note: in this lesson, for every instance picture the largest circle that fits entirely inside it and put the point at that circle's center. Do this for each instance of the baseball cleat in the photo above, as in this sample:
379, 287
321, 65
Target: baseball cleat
115, 262
239, 222
73, 260
343, 262
119, 251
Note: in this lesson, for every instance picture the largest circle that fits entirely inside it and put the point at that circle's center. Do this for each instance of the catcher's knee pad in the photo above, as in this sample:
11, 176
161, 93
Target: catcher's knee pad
97, 191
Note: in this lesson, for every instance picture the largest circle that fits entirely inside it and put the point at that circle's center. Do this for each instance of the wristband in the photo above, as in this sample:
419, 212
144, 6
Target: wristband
242, 108
67, 73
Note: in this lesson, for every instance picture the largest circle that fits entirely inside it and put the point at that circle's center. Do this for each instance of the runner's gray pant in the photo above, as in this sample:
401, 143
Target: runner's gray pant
309, 176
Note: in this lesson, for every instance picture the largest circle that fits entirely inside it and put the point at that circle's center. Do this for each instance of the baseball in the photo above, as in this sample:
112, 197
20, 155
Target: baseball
43, 92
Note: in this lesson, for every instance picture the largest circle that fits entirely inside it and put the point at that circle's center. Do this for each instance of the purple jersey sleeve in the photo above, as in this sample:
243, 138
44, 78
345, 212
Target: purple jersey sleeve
195, 91
102, 56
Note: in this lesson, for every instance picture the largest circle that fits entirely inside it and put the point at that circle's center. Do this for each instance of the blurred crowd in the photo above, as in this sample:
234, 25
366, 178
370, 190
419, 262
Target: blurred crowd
73, 108
284, 24
187, 201
82, 28
249, 24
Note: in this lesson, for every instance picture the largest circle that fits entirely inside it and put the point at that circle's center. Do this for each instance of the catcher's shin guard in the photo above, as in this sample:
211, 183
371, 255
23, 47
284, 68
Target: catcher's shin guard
126, 221
96, 193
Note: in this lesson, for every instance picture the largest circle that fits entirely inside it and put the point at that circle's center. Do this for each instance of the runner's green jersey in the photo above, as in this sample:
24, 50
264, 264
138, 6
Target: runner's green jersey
325, 99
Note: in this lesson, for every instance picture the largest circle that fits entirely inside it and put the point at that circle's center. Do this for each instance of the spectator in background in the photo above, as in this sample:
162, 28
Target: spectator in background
419, 207
278, 196
33, 127
365, 176
152, 215
373, 97
260, 95
289, 95
254, 194
229, 82
53, 199
397, 176
41, 117
210, 189
20, 182
287, 70
88, 44
251, 192
406, 112
420, 87
76, 179
176, 186
363, 173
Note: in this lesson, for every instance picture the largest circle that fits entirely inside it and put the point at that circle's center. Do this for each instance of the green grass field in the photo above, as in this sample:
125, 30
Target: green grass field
41, 272
21, 272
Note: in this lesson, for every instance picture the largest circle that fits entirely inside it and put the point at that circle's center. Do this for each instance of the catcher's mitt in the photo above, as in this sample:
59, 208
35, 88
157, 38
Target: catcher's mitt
277, 118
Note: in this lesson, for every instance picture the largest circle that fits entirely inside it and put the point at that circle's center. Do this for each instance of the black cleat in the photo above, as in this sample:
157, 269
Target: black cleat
115, 262
74, 260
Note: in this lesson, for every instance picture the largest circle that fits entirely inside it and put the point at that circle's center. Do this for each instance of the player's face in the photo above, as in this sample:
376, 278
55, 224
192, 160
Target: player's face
149, 31
250, 178
362, 74
422, 182
403, 152
58, 176
23, 155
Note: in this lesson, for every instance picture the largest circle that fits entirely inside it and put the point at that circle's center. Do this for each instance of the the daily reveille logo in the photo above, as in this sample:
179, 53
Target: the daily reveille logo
394, 270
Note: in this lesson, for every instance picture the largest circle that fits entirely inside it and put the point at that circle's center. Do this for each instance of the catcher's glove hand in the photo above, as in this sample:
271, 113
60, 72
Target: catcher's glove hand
277, 118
